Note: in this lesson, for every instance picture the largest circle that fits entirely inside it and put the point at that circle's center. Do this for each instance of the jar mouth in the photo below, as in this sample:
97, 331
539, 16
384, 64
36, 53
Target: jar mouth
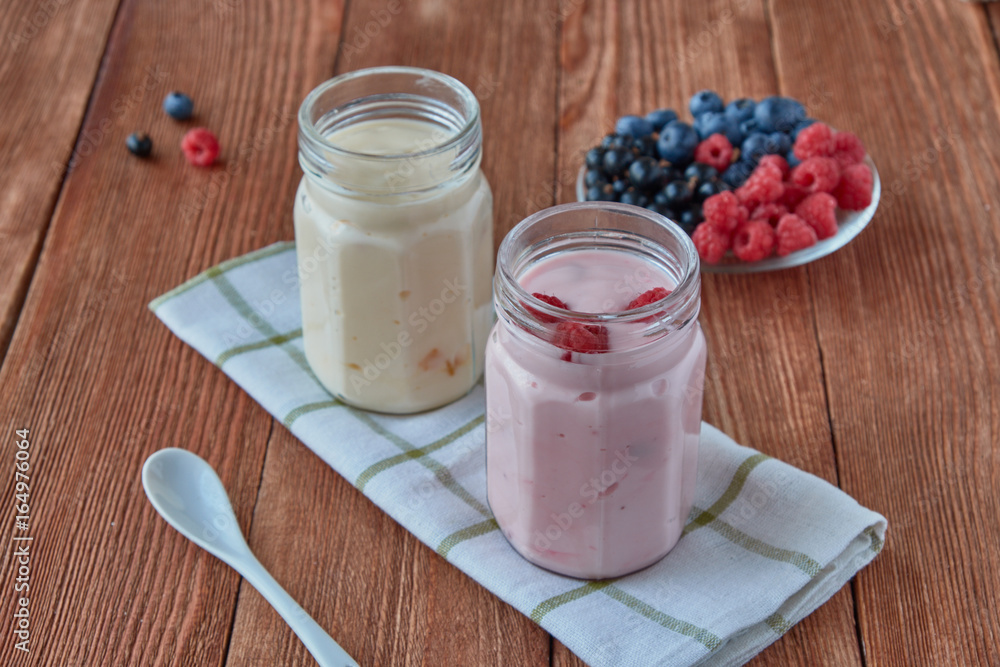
460, 115
602, 225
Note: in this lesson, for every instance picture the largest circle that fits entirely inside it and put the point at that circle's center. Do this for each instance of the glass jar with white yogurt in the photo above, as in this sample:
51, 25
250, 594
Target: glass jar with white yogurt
594, 379
394, 237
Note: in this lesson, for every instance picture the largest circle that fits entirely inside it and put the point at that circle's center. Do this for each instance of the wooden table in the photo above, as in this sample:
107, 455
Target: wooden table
877, 368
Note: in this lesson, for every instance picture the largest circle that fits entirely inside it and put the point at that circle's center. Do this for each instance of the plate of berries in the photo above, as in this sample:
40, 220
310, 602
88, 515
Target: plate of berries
759, 186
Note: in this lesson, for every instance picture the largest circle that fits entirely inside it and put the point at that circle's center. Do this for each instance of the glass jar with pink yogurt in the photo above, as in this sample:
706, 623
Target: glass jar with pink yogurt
594, 408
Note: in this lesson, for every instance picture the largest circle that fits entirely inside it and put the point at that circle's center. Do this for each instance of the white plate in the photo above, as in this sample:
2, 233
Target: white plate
849, 225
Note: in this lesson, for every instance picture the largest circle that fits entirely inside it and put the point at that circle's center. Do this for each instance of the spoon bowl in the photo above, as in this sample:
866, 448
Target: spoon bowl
187, 493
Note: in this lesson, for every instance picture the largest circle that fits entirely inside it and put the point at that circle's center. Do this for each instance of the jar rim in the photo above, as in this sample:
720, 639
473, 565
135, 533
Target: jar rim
469, 127
680, 306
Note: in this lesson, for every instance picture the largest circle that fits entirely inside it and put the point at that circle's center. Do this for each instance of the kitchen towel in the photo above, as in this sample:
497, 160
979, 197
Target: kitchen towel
765, 545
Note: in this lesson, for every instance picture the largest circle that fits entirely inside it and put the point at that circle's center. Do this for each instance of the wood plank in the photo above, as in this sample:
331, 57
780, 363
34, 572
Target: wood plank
913, 378
101, 382
764, 384
49, 57
389, 599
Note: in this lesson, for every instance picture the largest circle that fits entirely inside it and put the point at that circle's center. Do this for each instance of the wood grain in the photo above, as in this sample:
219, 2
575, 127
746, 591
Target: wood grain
913, 381
759, 327
49, 56
386, 597
877, 368
101, 382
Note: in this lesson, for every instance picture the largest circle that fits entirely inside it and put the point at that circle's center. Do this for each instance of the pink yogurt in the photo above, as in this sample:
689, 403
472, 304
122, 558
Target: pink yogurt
591, 461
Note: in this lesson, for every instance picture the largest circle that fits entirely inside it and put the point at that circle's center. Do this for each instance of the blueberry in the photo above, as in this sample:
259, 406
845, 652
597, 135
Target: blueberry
690, 217
661, 198
607, 140
741, 109
634, 125
601, 194
677, 143
662, 209
677, 193
617, 160
754, 147
620, 186
778, 114
706, 189
594, 158
700, 172
178, 105
737, 173
792, 160
801, 125
595, 177
139, 144
634, 197
779, 142
748, 127
645, 172
661, 117
705, 100
717, 122
645, 146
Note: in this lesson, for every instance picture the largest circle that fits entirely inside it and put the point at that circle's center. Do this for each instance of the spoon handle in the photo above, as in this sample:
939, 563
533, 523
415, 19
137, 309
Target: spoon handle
323, 648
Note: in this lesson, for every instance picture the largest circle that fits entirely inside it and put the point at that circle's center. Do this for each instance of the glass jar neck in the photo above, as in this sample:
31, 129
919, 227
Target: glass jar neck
598, 225
390, 131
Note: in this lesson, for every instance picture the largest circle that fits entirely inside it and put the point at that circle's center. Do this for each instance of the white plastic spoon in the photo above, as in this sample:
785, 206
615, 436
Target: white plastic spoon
186, 492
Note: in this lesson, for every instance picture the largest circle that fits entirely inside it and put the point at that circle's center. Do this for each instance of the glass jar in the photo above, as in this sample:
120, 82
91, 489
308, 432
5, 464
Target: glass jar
594, 410
394, 237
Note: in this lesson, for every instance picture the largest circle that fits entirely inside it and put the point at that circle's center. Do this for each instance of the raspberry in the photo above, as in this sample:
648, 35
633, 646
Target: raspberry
819, 212
648, 297
583, 338
724, 211
712, 242
847, 149
814, 141
200, 147
854, 192
793, 195
778, 161
817, 174
793, 234
552, 301
753, 241
715, 151
770, 213
763, 186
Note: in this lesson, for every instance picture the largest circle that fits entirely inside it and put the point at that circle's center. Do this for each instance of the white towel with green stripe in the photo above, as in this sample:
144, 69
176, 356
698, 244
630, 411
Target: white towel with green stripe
765, 545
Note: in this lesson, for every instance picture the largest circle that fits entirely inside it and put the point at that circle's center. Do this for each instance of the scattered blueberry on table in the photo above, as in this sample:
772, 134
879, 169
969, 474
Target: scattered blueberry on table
178, 105
139, 143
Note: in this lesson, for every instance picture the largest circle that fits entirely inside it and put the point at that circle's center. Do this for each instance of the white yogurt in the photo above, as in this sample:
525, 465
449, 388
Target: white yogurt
396, 283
